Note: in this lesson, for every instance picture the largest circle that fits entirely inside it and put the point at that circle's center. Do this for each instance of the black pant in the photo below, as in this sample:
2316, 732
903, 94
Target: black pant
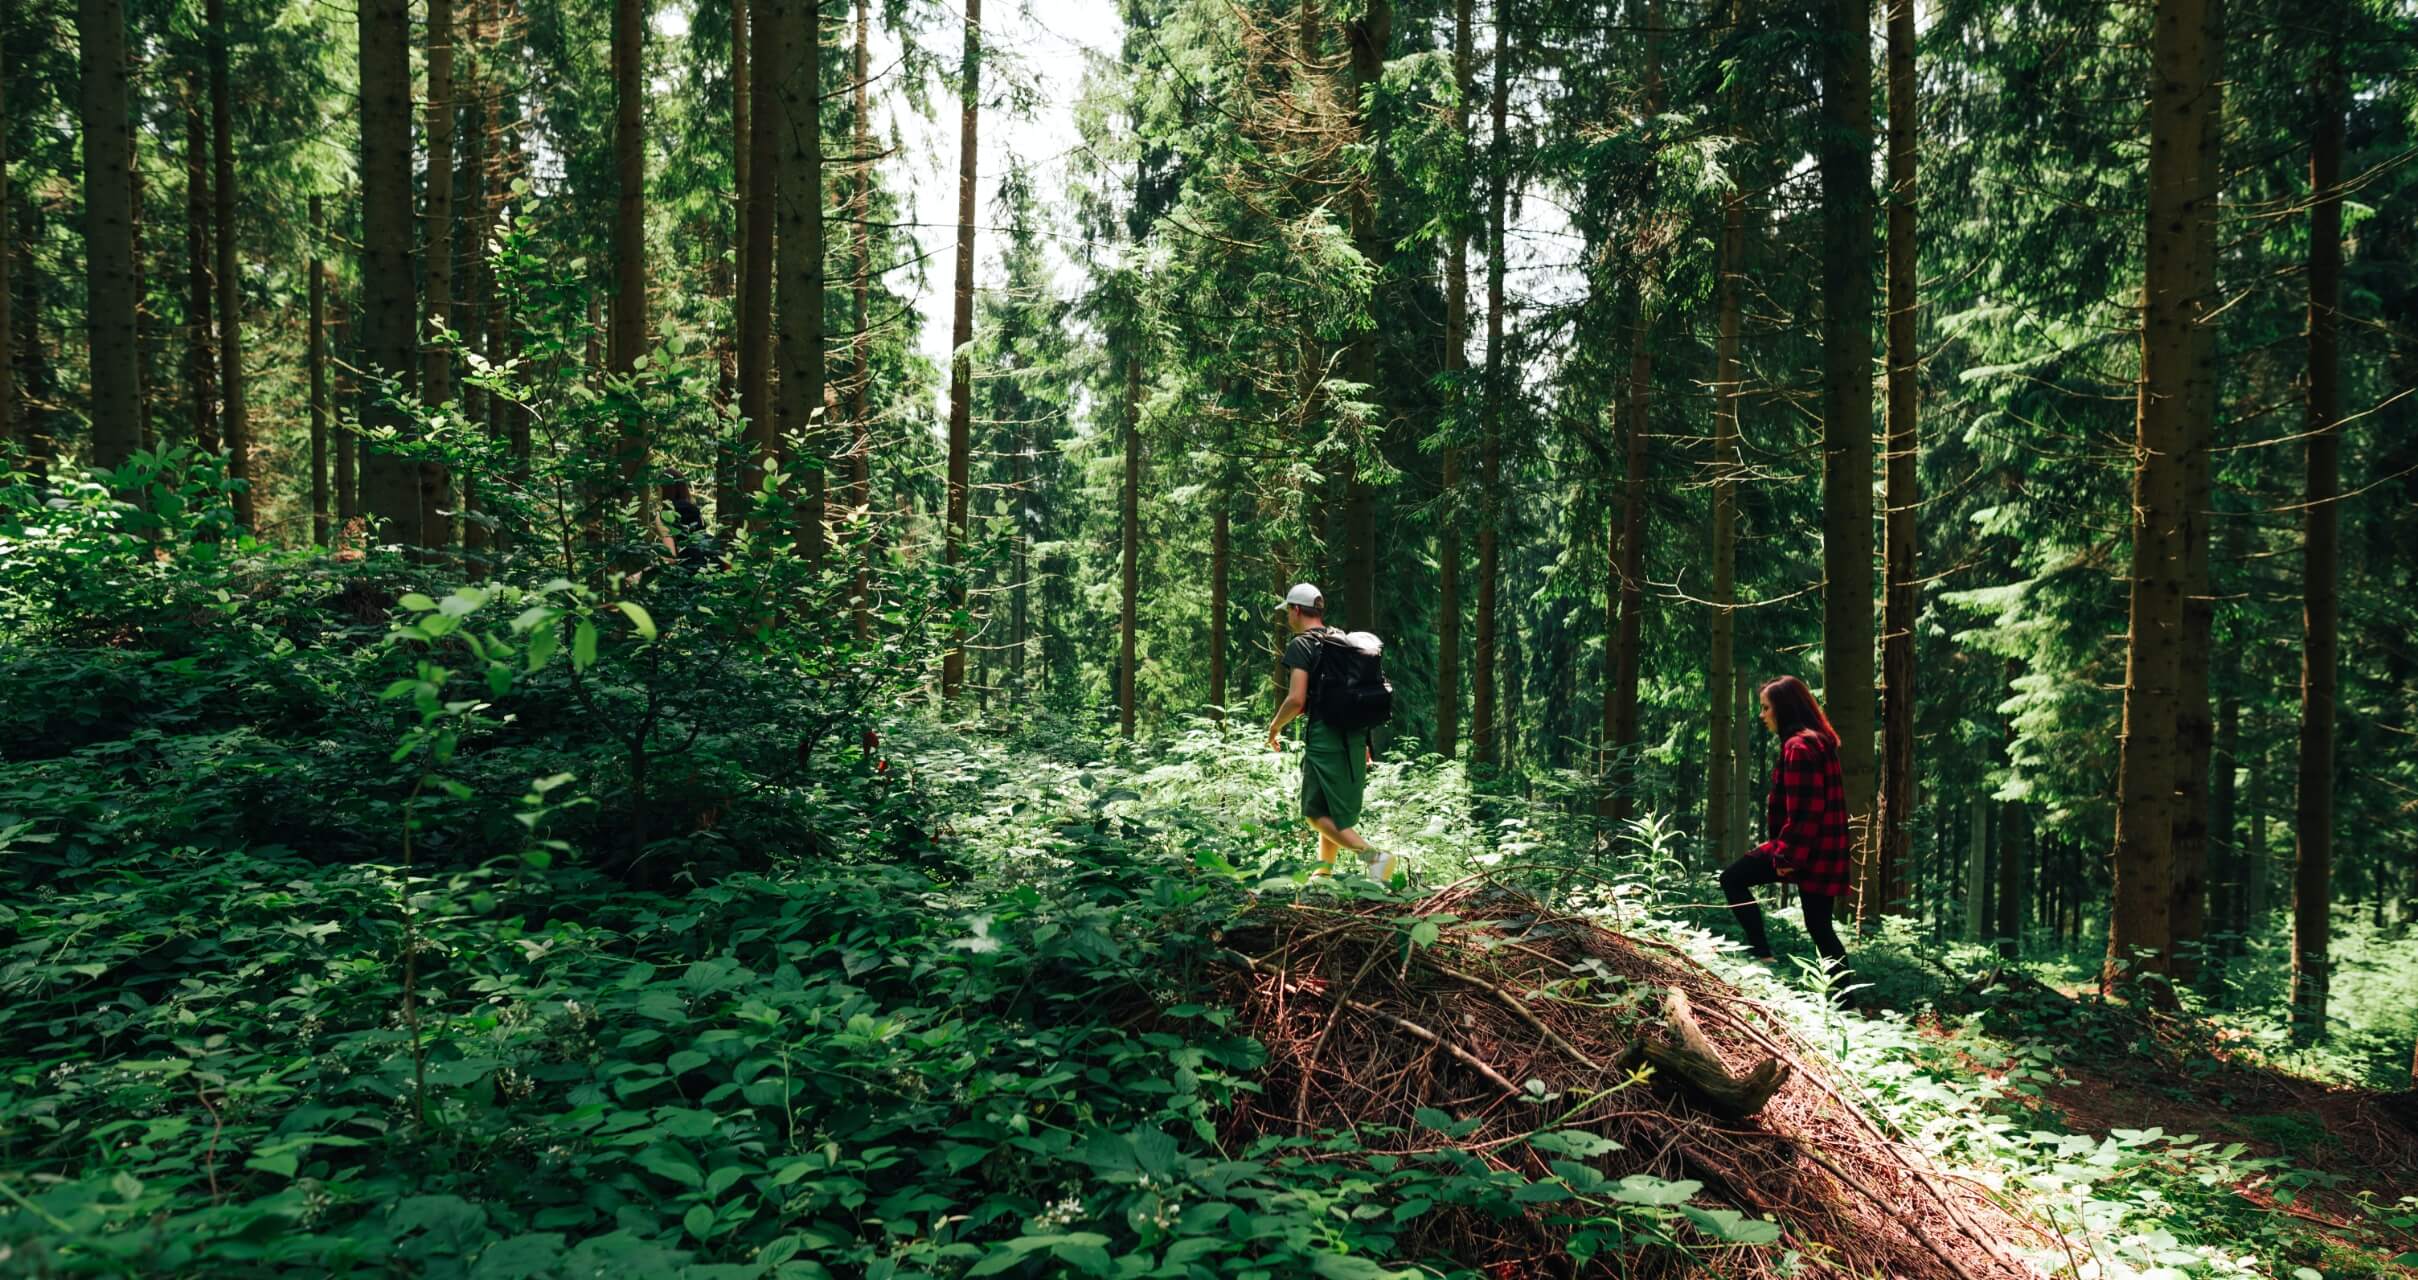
1738, 881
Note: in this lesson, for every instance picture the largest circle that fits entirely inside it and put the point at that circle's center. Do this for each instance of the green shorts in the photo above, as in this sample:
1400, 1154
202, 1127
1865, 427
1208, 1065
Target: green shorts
1334, 773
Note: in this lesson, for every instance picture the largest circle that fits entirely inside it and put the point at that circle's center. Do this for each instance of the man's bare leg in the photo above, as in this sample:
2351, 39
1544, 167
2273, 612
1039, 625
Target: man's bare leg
1331, 838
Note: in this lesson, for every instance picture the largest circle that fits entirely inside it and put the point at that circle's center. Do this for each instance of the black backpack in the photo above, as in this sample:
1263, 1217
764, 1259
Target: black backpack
1348, 688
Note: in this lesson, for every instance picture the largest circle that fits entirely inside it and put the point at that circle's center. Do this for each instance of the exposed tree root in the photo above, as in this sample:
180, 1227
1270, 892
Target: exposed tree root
1525, 1019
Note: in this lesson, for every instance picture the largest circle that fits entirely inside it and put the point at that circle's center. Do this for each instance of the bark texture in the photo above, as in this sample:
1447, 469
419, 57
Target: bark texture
201, 335
1130, 521
1638, 440
1369, 36
2194, 727
318, 362
390, 485
731, 472
757, 196
235, 425
2140, 937
798, 403
8, 370
1901, 599
626, 319
1721, 767
436, 360
1484, 749
961, 337
860, 387
2321, 536
108, 230
1845, 161
1456, 370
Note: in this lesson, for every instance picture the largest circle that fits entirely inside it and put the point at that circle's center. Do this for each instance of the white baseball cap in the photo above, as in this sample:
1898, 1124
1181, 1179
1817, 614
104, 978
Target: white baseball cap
1306, 596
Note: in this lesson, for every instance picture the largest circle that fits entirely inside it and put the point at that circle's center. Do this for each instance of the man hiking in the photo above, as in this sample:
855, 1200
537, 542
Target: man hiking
1335, 752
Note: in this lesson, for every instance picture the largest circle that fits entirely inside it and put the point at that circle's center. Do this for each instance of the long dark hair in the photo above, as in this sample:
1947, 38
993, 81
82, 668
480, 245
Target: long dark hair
1794, 707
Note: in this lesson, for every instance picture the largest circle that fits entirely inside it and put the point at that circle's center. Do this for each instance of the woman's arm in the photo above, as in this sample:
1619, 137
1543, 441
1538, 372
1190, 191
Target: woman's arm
1803, 798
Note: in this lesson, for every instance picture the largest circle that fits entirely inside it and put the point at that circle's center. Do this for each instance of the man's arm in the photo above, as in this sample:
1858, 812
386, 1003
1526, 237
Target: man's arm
1295, 699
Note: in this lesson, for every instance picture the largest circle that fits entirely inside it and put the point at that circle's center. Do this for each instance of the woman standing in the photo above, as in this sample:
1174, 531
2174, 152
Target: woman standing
1805, 816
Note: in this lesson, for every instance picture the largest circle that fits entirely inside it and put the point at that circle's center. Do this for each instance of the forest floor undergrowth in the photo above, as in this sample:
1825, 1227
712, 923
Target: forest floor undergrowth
1002, 1039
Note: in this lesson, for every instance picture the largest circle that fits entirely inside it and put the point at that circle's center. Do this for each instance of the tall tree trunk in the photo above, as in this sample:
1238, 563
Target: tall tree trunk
109, 230
390, 485
201, 341
2008, 900
626, 321
1130, 517
1608, 733
1483, 747
1746, 768
436, 360
142, 316
1639, 438
733, 478
1901, 600
2254, 850
860, 420
961, 336
348, 356
34, 376
1022, 451
2229, 892
1369, 36
756, 200
2321, 523
8, 371
1221, 560
1846, 167
318, 360
477, 94
2140, 928
1977, 862
800, 406
2009, 928
1722, 766
236, 427
436, 366
1456, 368
516, 423
2187, 912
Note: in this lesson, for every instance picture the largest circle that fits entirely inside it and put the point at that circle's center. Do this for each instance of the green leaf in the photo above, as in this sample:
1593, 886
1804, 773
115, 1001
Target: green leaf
1090, 1258
700, 1221
674, 1163
1574, 1142
1000, 1260
282, 1163
583, 645
542, 645
1642, 1188
416, 602
638, 617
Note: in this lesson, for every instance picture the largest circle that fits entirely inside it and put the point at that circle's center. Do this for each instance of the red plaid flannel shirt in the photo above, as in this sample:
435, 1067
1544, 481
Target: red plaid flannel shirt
1805, 814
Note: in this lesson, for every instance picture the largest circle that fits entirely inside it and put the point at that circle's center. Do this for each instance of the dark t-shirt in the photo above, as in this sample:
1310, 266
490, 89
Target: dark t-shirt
1301, 653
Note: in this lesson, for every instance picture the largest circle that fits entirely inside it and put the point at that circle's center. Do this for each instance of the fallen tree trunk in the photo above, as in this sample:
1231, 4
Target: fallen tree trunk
1689, 1060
